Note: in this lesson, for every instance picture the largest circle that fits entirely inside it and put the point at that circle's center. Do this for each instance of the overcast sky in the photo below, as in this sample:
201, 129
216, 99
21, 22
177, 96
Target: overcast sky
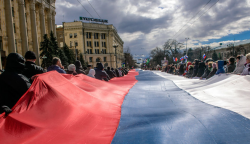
145, 24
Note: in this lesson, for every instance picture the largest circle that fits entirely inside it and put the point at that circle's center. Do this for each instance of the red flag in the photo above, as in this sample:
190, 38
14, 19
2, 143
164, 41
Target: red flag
67, 109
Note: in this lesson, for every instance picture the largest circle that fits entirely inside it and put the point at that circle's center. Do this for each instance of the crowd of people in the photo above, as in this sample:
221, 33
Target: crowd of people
20, 72
208, 68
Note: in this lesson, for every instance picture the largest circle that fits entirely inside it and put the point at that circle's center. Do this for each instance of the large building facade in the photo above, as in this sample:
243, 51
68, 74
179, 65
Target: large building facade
23, 24
95, 41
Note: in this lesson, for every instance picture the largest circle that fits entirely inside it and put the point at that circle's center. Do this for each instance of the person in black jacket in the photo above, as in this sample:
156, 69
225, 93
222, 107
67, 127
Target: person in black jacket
110, 73
201, 69
99, 74
112, 70
196, 67
231, 65
31, 68
13, 83
181, 69
79, 69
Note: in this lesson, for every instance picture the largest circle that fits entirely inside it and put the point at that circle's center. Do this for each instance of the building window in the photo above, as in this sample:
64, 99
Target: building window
103, 36
60, 36
70, 35
89, 43
70, 43
97, 51
89, 51
14, 27
95, 35
104, 51
104, 59
103, 44
98, 60
13, 14
88, 35
75, 35
90, 59
96, 44
76, 43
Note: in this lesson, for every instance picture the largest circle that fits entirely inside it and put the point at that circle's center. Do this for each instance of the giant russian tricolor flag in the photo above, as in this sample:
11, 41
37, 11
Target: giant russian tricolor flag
149, 108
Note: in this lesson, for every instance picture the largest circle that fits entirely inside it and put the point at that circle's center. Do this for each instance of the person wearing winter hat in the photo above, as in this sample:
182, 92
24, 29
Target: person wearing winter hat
91, 73
246, 70
213, 71
99, 72
31, 68
72, 69
231, 65
12, 82
240, 64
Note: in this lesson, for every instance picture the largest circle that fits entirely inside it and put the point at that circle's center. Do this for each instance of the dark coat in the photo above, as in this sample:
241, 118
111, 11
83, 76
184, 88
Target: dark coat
181, 70
196, 68
79, 69
99, 74
201, 69
110, 73
230, 68
206, 73
32, 69
212, 73
13, 83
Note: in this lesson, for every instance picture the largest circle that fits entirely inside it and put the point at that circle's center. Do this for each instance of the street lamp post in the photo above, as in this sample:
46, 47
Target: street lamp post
76, 50
186, 45
115, 46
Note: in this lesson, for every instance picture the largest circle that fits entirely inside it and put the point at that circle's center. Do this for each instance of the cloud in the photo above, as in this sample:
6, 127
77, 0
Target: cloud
150, 23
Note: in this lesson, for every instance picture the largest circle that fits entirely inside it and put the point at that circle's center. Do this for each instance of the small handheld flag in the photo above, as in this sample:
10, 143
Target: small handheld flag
204, 56
173, 59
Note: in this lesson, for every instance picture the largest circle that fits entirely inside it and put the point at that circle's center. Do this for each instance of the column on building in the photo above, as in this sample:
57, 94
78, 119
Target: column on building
54, 23
23, 27
85, 45
34, 30
100, 41
9, 26
108, 46
49, 20
92, 41
42, 20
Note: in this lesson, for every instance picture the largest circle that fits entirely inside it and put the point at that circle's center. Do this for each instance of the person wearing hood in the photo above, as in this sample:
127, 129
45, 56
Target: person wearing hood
240, 64
13, 83
213, 71
88, 69
57, 66
196, 68
246, 70
220, 66
231, 65
31, 68
99, 72
91, 73
78, 68
110, 73
72, 69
